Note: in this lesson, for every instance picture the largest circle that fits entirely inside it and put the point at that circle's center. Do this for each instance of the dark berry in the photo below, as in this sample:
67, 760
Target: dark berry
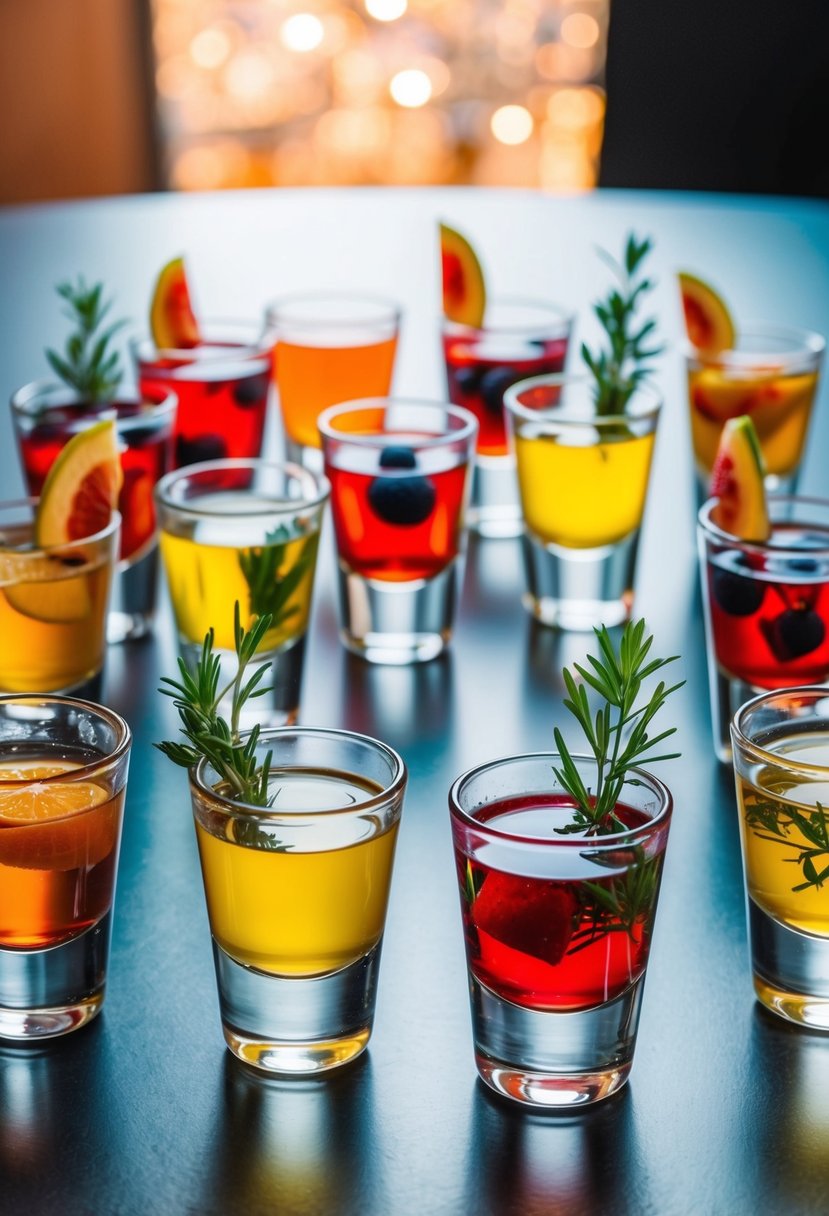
793, 634
138, 436
402, 500
398, 458
468, 379
251, 391
736, 594
202, 447
494, 384
803, 565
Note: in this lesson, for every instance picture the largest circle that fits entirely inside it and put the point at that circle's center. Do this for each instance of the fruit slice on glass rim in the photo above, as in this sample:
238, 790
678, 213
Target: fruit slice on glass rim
708, 321
173, 323
464, 292
737, 480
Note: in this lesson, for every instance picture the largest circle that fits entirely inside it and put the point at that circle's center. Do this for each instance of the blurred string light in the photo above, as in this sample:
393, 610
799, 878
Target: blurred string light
294, 92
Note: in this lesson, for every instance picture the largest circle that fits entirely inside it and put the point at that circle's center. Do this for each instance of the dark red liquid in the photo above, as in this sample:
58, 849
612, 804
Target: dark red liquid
146, 456
416, 537
538, 942
478, 383
770, 633
221, 403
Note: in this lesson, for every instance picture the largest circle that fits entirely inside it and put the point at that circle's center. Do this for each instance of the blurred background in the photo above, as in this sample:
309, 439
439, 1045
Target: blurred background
120, 96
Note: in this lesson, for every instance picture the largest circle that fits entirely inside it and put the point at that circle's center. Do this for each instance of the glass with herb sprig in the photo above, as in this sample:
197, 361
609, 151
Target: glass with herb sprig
780, 744
244, 531
88, 389
559, 858
583, 445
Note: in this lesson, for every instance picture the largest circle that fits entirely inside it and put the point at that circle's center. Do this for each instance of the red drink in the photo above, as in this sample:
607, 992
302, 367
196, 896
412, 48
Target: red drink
549, 942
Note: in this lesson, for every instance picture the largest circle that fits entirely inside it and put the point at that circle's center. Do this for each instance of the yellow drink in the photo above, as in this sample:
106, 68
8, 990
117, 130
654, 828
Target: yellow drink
774, 844
582, 495
274, 906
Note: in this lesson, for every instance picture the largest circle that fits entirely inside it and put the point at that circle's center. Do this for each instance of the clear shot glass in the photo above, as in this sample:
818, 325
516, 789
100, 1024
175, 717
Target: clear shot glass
399, 473
53, 606
766, 607
781, 766
557, 926
583, 481
296, 896
244, 531
46, 416
520, 339
63, 778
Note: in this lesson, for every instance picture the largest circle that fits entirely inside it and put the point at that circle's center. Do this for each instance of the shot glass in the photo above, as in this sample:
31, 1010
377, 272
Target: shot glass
399, 473
53, 606
583, 481
520, 339
766, 607
46, 417
329, 348
222, 385
244, 531
781, 765
557, 925
771, 374
296, 896
63, 779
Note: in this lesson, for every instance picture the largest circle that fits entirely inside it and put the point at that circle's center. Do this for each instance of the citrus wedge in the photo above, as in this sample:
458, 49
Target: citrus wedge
173, 323
708, 321
464, 291
737, 481
81, 490
57, 600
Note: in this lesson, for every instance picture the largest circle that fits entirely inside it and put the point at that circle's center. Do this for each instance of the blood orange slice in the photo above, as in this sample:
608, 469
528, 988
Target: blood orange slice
81, 491
173, 323
737, 481
707, 319
464, 292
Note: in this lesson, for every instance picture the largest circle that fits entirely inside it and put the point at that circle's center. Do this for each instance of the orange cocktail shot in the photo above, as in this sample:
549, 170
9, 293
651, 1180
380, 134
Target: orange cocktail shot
63, 773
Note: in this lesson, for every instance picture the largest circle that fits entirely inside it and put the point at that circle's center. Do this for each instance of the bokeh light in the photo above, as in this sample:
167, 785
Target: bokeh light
511, 124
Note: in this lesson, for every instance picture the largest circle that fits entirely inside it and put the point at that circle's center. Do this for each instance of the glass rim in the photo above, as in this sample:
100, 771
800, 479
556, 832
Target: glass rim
565, 317
467, 430
576, 415
84, 771
390, 791
761, 754
800, 344
210, 327
306, 478
386, 309
22, 400
714, 532
14, 504
612, 839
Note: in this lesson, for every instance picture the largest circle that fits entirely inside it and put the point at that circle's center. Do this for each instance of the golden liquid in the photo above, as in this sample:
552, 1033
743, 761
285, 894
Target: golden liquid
771, 864
582, 497
310, 378
292, 912
206, 580
779, 406
52, 631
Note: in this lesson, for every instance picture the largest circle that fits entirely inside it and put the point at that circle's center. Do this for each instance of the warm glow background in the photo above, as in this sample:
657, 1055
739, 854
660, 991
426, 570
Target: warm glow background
414, 92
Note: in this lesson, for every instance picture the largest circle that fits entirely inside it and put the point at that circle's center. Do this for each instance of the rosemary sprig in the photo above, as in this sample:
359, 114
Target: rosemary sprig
618, 734
624, 363
267, 592
774, 820
88, 364
197, 696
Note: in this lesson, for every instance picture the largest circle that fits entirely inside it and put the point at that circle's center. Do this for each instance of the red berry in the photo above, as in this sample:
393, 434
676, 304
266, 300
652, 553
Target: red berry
526, 914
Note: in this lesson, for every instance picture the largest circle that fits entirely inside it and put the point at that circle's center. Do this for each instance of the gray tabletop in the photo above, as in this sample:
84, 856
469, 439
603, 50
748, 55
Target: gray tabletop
727, 1110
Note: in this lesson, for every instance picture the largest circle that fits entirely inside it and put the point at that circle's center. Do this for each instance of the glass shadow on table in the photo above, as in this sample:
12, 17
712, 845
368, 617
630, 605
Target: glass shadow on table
410, 707
535, 1164
294, 1146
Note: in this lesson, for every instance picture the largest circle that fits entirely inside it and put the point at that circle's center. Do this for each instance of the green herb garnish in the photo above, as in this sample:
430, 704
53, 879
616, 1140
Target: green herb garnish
88, 364
774, 820
268, 593
624, 363
618, 734
197, 696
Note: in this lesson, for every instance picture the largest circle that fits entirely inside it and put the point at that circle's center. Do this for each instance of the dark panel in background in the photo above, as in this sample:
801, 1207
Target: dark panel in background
718, 95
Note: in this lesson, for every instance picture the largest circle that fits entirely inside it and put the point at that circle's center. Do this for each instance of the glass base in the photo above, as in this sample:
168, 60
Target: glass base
398, 623
791, 970
306, 457
579, 589
296, 1025
727, 695
554, 1060
277, 707
132, 602
494, 510
50, 992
